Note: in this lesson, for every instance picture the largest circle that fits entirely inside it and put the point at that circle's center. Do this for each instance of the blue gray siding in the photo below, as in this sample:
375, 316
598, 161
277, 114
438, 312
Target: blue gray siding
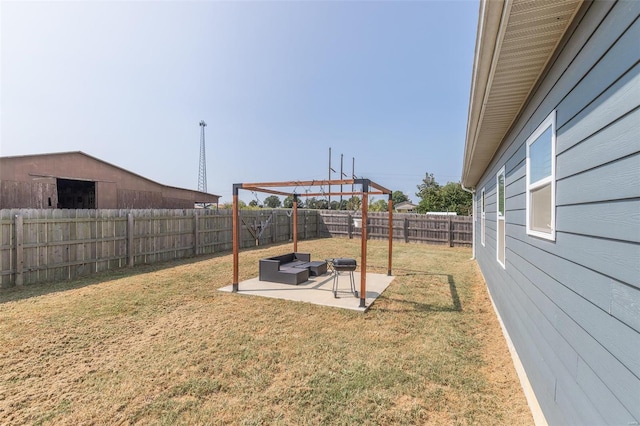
572, 306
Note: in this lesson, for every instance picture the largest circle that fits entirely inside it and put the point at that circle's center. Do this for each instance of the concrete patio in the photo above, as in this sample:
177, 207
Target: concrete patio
318, 290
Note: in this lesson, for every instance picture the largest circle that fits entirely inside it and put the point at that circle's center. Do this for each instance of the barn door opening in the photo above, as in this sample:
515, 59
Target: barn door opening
76, 194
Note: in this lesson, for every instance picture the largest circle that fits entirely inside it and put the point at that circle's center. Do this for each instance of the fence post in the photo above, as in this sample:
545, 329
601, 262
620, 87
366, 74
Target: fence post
130, 239
196, 237
350, 226
304, 212
406, 229
450, 233
274, 228
19, 238
255, 227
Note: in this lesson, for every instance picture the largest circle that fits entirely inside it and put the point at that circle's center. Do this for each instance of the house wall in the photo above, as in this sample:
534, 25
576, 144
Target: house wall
572, 306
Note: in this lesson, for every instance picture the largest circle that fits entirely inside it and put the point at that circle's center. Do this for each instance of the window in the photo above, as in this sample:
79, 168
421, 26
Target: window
541, 172
500, 217
482, 217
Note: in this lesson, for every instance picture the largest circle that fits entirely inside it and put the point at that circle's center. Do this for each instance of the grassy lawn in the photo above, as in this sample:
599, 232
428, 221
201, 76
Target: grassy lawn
159, 344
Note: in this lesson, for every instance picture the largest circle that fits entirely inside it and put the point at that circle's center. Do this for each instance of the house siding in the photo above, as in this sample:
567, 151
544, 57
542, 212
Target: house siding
572, 306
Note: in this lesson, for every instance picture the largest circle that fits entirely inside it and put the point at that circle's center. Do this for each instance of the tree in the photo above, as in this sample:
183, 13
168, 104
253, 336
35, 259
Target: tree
314, 203
229, 205
311, 203
428, 186
432, 202
272, 202
288, 202
429, 193
323, 204
448, 198
378, 205
456, 199
398, 197
354, 203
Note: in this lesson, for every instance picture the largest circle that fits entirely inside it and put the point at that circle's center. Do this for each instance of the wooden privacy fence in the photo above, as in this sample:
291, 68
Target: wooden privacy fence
407, 227
53, 245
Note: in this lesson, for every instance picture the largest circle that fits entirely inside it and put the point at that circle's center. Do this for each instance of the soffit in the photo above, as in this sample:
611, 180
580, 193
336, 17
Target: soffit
516, 39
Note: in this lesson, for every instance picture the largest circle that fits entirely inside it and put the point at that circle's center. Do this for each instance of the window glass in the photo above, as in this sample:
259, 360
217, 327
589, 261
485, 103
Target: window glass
501, 194
540, 157
541, 209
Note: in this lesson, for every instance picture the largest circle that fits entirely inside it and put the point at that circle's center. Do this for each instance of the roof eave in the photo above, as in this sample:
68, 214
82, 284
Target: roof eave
509, 25
489, 18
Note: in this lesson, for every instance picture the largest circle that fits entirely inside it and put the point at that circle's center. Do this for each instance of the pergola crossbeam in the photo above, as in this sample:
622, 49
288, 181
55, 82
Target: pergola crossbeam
380, 188
268, 191
299, 183
320, 194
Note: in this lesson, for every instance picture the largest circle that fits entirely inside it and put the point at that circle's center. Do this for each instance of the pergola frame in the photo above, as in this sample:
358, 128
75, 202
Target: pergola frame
367, 188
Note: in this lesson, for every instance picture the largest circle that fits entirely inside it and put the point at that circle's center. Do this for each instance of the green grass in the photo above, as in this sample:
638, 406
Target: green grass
159, 344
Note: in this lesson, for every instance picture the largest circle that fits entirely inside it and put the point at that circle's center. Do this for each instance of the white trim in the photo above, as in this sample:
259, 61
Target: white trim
474, 225
502, 217
483, 217
493, 20
549, 122
527, 389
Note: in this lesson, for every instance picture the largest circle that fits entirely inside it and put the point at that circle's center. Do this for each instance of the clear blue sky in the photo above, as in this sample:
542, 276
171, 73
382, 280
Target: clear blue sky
277, 82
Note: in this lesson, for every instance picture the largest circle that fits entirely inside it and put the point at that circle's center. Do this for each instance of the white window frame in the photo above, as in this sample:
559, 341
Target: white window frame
483, 204
550, 121
501, 242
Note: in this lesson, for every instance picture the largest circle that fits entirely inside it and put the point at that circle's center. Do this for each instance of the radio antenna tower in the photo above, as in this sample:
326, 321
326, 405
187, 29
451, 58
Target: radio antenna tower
202, 171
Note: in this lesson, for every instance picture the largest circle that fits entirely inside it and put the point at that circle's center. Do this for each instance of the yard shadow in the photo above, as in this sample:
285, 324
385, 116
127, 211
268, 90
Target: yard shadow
15, 293
414, 306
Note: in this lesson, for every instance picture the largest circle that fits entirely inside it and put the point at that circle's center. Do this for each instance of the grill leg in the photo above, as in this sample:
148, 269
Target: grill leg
353, 284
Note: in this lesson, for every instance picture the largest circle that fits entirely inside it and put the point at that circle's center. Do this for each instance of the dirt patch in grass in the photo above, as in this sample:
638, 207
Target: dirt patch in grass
161, 345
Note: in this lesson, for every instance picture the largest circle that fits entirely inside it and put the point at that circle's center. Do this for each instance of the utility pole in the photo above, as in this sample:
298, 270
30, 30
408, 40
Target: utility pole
341, 177
330, 170
353, 171
202, 170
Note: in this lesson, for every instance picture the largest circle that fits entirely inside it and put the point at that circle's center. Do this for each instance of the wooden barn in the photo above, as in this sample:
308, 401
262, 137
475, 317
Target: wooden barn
553, 155
75, 180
